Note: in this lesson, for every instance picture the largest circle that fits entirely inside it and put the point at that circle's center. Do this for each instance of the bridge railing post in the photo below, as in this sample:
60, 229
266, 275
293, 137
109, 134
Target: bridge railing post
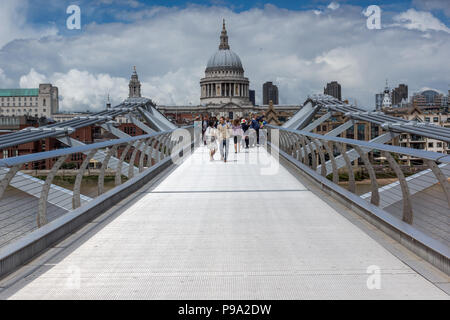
333, 160
351, 175
443, 180
42, 208
76, 199
375, 198
407, 207
144, 153
101, 178
323, 169
131, 166
118, 178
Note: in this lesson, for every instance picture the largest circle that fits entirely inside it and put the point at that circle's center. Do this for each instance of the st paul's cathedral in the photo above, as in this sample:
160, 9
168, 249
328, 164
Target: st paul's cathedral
224, 91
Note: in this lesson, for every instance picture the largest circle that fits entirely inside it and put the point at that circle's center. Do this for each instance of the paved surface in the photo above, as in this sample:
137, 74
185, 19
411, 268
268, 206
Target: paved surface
212, 230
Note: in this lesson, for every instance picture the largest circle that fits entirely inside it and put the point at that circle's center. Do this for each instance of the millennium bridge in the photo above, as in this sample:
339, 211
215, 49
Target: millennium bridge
287, 219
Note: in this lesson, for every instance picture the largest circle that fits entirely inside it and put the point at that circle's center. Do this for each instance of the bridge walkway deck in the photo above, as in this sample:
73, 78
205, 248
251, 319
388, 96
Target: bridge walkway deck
214, 230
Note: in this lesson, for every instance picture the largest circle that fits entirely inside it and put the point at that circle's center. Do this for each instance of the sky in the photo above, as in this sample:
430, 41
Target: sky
298, 45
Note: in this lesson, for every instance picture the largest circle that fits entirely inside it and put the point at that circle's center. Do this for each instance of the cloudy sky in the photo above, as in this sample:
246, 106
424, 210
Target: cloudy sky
299, 45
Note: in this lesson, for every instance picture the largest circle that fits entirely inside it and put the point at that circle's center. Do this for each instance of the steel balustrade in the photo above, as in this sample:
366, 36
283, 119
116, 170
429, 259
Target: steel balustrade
155, 146
311, 149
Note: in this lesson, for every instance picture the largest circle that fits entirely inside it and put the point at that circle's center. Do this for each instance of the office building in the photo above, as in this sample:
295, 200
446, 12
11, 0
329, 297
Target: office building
270, 93
333, 89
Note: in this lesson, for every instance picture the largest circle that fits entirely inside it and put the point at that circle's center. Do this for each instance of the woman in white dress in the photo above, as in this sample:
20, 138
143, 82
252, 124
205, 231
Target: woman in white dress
211, 135
237, 134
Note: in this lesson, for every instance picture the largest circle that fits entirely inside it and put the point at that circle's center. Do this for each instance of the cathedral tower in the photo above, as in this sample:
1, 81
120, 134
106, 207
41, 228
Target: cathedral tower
135, 86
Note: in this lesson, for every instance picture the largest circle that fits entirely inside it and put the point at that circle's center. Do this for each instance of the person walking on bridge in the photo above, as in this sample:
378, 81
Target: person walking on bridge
245, 126
205, 123
211, 138
224, 135
255, 126
237, 135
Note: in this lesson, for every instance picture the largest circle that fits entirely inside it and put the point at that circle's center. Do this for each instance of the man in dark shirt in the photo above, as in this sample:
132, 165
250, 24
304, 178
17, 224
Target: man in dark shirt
245, 126
255, 125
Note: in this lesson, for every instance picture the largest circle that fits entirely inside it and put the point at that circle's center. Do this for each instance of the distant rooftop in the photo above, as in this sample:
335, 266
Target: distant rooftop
19, 92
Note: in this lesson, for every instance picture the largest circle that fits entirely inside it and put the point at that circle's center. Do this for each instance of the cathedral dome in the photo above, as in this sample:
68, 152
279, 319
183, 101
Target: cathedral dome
224, 80
224, 59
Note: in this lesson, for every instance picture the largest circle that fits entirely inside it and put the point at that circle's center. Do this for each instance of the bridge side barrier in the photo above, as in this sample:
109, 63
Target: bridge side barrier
421, 216
21, 213
49, 232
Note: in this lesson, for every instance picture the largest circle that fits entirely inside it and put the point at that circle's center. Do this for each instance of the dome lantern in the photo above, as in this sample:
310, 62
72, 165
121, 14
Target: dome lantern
224, 39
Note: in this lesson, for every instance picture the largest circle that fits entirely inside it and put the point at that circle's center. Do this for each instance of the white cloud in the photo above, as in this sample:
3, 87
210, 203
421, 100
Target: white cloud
295, 49
333, 5
81, 90
420, 20
14, 24
32, 79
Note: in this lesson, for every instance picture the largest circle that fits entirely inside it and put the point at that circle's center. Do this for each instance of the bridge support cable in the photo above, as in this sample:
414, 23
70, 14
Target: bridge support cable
388, 123
353, 155
155, 119
119, 134
67, 127
318, 122
99, 156
303, 117
337, 131
140, 124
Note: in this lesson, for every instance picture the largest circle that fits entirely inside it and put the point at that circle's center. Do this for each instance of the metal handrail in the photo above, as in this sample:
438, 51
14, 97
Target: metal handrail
428, 155
9, 162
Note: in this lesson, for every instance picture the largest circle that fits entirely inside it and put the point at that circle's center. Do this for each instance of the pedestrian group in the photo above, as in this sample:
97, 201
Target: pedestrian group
216, 134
